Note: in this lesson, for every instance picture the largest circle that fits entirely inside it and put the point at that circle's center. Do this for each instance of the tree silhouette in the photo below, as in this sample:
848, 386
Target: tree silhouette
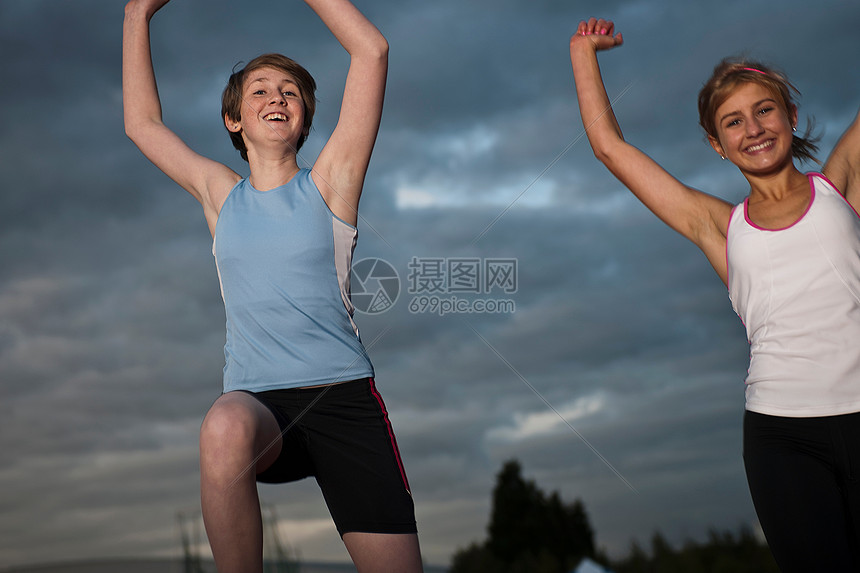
529, 532
723, 553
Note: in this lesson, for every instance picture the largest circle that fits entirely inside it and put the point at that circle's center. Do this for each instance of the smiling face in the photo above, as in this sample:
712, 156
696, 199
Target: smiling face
271, 111
268, 75
754, 129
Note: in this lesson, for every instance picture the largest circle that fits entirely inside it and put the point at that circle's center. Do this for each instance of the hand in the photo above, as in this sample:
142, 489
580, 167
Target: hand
599, 33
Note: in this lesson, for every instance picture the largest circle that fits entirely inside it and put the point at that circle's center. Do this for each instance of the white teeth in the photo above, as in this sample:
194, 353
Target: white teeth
276, 116
760, 146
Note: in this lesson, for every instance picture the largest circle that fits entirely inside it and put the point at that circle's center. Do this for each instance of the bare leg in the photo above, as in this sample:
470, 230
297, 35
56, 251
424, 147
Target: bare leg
384, 552
237, 429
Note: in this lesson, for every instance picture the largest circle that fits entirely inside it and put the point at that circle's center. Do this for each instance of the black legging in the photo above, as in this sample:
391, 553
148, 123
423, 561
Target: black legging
804, 477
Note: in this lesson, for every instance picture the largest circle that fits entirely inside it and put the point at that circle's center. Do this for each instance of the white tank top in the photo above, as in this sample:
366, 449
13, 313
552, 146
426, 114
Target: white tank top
797, 291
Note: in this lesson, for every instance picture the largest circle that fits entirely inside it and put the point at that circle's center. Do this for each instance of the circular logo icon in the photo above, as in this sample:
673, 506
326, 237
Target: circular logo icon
374, 284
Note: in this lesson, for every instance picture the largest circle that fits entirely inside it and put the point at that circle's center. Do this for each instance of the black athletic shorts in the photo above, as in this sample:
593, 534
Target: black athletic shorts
341, 435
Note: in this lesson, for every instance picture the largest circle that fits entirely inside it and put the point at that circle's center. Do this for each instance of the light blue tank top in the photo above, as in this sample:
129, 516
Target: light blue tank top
283, 260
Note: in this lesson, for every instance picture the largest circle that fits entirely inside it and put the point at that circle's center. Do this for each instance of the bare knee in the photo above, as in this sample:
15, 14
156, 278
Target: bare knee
231, 434
228, 423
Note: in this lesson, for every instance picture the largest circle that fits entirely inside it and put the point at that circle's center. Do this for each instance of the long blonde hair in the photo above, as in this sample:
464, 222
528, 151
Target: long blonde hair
732, 72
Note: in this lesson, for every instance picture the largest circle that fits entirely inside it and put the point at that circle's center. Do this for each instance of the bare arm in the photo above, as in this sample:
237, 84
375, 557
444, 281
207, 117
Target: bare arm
341, 166
699, 217
208, 181
843, 165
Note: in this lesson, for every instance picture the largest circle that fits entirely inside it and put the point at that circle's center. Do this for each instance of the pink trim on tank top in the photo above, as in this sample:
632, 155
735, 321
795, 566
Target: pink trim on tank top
728, 230
799, 219
835, 188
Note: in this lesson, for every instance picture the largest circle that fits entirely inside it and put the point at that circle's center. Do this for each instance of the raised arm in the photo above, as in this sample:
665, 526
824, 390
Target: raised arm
342, 164
208, 181
697, 216
843, 165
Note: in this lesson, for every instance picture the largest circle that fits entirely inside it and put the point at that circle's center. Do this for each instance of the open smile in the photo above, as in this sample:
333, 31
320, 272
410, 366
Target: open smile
275, 116
759, 146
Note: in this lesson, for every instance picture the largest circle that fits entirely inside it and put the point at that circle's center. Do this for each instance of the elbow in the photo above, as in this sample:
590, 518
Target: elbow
607, 150
132, 130
604, 154
601, 155
373, 52
375, 45
137, 130
379, 49
611, 161
369, 47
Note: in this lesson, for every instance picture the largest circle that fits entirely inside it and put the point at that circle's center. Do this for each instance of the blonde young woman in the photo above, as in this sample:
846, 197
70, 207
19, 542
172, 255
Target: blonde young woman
790, 258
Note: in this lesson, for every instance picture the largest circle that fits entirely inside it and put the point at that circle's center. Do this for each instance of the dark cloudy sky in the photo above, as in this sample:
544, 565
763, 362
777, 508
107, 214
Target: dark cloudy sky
112, 326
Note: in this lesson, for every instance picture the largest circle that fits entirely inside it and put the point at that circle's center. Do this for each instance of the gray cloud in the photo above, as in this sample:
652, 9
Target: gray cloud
111, 323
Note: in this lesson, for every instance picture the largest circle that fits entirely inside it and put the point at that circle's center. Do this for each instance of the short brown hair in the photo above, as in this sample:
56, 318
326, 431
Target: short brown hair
730, 73
231, 99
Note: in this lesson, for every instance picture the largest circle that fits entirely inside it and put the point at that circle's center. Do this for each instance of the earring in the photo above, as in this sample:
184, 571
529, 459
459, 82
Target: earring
723, 157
